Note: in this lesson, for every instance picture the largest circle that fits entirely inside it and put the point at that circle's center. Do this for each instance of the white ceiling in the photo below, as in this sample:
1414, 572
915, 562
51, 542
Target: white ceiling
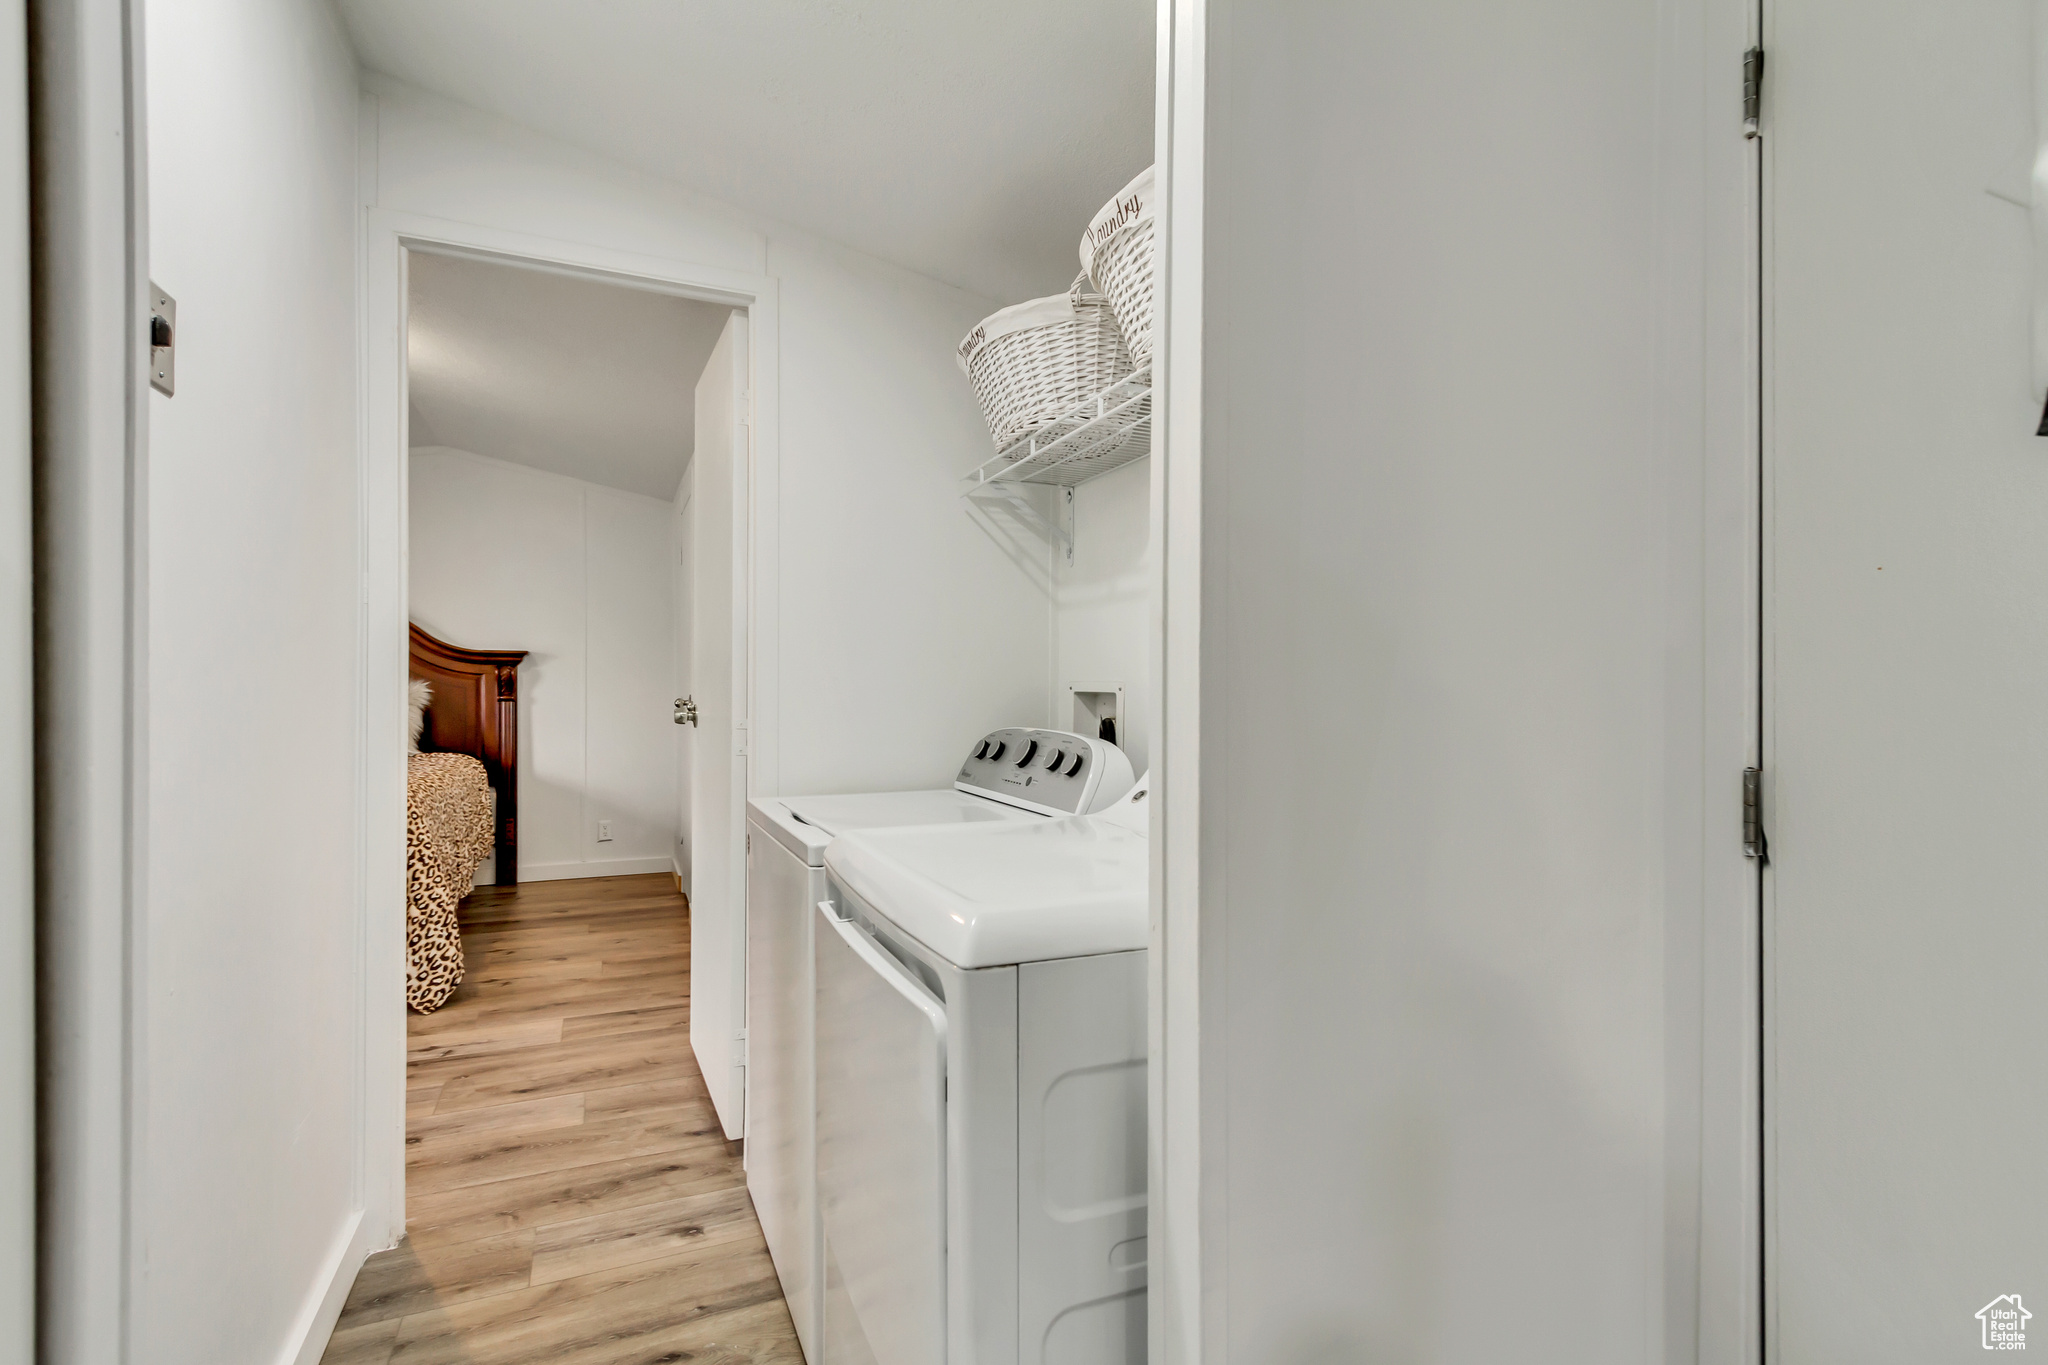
596, 381
969, 140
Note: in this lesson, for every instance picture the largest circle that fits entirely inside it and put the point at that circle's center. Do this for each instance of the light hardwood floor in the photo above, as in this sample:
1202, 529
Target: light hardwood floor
569, 1196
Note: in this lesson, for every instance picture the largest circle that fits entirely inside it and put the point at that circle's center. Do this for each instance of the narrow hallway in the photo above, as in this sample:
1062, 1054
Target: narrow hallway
569, 1195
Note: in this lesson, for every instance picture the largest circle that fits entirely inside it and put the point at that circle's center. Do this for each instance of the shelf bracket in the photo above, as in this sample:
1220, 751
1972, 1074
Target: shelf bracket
1012, 496
1106, 432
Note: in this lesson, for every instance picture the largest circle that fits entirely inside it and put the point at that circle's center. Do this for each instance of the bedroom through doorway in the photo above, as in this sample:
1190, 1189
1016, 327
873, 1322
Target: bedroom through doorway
574, 471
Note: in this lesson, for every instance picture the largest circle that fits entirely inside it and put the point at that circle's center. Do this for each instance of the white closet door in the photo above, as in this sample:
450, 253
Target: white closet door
881, 1152
1906, 681
718, 766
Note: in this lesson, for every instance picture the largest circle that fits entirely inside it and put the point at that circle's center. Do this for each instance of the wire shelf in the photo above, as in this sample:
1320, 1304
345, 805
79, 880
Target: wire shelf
1107, 432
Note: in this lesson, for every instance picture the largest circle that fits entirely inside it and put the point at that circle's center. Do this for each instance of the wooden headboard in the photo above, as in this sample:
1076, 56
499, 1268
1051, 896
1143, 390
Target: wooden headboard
475, 710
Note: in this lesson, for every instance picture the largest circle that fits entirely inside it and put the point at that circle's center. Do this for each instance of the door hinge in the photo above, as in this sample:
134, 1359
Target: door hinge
1753, 842
1752, 92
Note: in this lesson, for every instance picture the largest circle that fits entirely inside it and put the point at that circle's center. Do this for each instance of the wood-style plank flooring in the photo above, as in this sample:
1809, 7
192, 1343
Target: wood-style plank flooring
569, 1196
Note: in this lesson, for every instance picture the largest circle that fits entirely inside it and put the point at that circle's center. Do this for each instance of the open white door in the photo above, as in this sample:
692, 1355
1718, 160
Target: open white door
685, 717
718, 764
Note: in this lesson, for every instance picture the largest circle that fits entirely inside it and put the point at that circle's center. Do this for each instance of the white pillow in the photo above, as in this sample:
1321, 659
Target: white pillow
418, 692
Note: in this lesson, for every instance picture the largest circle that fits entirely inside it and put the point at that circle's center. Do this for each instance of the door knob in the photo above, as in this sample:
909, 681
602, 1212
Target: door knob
686, 711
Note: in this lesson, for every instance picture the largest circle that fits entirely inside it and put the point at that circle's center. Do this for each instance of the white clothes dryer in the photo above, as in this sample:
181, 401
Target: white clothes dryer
1012, 775
981, 1059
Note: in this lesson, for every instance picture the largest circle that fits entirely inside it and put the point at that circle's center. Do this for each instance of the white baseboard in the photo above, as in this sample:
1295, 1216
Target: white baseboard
617, 867
315, 1323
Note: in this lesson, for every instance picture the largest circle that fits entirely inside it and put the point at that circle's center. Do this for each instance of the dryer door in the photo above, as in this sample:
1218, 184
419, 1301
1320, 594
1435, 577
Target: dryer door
881, 1069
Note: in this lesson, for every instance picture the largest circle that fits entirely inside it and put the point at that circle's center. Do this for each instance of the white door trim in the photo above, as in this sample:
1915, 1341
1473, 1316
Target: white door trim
1187, 1179
92, 778
387, 236
1730, 1235
17, 713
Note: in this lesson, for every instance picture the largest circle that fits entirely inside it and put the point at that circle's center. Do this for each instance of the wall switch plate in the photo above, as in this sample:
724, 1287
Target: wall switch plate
604, 831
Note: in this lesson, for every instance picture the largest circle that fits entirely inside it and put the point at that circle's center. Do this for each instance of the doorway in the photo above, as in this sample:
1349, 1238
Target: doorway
532, 946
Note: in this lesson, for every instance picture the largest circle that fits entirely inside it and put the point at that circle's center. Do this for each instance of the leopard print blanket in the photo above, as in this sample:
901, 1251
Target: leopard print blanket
448, 819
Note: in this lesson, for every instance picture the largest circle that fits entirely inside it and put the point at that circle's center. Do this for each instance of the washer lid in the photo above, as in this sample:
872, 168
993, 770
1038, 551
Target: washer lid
991, 895
805, 824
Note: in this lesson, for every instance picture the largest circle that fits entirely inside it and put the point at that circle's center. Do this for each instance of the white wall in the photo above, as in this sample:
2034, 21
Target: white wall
578, 575
1102, 630
248, 1196
908, 626
1452, 660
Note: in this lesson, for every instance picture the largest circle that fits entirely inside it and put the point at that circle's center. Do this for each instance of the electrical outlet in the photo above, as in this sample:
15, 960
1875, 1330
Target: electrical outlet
604, 831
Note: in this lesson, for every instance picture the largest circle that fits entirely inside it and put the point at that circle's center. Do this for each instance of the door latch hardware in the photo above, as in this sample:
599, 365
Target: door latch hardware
163, 340
686, 711
1753, 842
1752, 92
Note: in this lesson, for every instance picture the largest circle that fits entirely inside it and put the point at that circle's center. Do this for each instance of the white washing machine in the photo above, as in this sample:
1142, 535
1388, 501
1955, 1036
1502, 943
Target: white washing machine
981, 1093
1015, 775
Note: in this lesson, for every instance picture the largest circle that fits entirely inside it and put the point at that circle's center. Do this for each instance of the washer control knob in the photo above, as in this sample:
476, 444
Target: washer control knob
1076, 766
1030, 752
982, 751
997, 752
1059, 756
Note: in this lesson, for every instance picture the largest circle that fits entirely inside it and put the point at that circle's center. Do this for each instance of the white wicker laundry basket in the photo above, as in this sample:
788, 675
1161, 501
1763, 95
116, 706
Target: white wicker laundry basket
1116, 253
1034, 363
